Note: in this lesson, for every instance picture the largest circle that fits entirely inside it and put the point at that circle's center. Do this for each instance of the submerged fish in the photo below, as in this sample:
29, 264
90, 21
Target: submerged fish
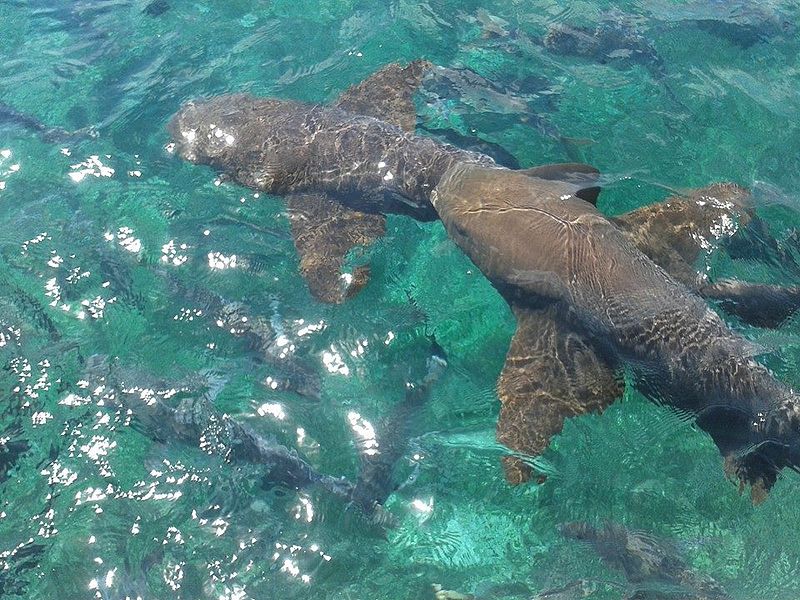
12, 118
612, 43
184, 412
654, 568
265, 337
739, 22
191, 418
616, 42
464, 95
156, 8
378, 462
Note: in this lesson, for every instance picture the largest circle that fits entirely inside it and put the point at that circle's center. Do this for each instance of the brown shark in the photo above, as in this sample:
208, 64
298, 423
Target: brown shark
588, 301
587, 297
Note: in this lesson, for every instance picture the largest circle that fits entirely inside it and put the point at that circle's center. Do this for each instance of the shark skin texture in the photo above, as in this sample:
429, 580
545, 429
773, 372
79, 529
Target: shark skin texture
591, 295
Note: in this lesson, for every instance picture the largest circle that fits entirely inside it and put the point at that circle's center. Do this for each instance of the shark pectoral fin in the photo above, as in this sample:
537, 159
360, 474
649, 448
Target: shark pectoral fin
324, 232
551, 373
675, 232
387, 94
584, 177
758, 304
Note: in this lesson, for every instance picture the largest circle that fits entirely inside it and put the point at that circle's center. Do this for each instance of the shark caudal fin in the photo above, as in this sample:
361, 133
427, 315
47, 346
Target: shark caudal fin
324, 231
551, 373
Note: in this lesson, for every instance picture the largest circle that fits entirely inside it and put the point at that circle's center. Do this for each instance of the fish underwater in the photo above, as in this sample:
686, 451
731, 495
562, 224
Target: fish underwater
455, 101
184, 412
589, 301
379, 458
13, 119
653, 568
610, 43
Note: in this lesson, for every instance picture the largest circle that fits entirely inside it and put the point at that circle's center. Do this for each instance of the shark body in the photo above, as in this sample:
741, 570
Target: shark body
587, 292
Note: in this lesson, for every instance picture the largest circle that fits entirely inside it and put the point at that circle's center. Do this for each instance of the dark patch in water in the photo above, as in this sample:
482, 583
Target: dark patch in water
156, 8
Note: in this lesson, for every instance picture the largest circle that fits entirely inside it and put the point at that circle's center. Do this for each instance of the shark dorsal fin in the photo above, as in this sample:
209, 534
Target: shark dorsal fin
581, 175
387, 94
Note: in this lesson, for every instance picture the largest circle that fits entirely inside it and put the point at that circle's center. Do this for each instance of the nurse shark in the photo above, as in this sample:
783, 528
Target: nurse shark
592, 296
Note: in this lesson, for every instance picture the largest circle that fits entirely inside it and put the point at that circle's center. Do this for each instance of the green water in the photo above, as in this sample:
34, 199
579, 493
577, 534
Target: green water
91, 250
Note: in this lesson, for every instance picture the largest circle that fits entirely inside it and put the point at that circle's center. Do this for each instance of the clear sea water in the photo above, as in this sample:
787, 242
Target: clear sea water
92, 506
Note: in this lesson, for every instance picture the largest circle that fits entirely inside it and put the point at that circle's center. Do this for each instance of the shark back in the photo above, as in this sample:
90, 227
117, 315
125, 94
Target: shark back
537, 238
284, 147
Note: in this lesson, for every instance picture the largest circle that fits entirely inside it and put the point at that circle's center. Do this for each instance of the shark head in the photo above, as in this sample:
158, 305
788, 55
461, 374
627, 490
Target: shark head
259, 142
205, 131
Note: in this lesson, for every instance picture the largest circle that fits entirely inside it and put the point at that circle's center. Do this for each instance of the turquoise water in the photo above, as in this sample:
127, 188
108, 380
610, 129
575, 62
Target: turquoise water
111, 246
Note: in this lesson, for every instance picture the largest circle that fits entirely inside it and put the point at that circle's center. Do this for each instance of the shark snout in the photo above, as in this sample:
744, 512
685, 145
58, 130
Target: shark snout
203, 131
183, 131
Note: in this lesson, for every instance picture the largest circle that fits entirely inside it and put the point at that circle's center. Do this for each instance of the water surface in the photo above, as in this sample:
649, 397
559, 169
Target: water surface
111, 246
